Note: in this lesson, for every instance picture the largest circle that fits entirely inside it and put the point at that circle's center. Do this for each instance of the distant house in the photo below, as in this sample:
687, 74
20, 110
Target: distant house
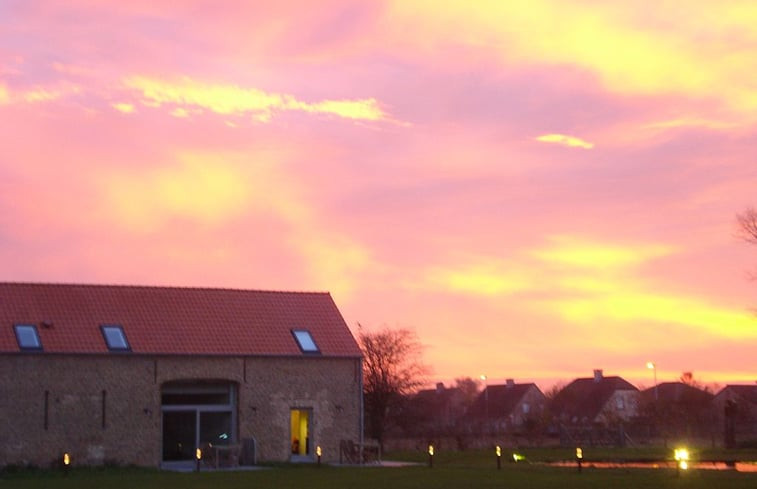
676, 393
677, 409
145, 375
432, 412
596, 400
508, 408
736, 409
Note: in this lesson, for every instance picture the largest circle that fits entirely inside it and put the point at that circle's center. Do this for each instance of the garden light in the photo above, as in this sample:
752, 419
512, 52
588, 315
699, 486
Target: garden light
318, 453
517, 457
431, 456
198, 457
579, 457
681, 456
498, 452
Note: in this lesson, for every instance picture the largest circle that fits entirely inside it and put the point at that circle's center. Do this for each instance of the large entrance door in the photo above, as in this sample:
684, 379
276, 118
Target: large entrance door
195, 415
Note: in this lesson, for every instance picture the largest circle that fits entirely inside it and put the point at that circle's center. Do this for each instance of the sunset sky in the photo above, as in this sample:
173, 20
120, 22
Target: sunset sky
537, 188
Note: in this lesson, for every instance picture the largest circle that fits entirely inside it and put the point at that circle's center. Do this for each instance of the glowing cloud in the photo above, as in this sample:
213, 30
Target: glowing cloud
628, 305
231, 99
563, 140
608, 39
487, 278
4, 95
195, 189
575, 252
123, 107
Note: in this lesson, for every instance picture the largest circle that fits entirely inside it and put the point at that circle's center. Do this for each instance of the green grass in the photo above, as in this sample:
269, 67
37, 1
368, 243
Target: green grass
521, 476
469, 469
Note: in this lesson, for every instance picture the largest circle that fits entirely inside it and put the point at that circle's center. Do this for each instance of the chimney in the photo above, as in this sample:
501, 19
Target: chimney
439, 387
510, 383
598, 375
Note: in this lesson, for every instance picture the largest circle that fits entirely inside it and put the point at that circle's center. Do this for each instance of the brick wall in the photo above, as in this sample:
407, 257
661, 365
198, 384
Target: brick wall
108, 408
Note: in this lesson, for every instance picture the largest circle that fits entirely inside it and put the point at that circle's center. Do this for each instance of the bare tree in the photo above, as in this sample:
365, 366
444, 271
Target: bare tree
469, 389
747, 222
392, 368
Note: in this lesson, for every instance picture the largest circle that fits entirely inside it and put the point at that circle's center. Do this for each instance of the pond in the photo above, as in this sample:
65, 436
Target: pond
668, 464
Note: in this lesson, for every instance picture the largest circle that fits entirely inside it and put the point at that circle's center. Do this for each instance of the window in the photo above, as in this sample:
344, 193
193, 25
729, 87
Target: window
305, 341
115, 338
27, 337
620, 403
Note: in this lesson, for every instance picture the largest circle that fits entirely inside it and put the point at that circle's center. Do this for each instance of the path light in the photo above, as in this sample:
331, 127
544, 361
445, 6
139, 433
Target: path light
66, 462
498, 451
682, 459
431, 456
198, 457
318, 453
579, 457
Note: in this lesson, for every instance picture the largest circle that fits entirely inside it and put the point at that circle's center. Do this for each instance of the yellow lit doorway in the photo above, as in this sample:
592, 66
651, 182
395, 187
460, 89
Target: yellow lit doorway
300, 432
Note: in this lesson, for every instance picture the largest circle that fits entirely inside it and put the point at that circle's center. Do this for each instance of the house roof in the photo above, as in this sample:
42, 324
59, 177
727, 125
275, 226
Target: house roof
499, 400
585, 398
173, 320
746, 392
677, 392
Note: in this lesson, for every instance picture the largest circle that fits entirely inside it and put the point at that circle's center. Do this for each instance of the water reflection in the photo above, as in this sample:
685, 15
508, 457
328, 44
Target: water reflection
737, 466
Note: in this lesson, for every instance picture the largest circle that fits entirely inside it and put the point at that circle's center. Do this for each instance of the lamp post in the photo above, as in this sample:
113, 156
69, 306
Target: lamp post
486, 401
653, 366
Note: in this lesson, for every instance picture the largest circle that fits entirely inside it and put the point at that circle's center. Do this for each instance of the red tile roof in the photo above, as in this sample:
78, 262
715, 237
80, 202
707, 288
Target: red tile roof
173, 320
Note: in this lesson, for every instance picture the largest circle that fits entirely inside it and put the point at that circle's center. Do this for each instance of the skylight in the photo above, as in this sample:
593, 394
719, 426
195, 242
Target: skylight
115, 338
27, 337
305, 341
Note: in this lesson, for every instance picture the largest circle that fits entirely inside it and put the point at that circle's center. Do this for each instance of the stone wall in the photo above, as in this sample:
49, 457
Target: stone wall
107, 408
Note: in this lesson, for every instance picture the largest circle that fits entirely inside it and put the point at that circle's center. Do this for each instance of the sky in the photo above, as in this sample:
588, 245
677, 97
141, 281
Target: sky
536, 188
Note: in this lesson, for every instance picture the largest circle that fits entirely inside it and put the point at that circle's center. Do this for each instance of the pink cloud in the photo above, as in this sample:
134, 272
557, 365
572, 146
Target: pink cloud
442, 219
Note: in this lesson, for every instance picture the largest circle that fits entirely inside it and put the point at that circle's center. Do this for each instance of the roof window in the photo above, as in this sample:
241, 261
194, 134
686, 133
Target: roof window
115, 338
27, 337
305, 341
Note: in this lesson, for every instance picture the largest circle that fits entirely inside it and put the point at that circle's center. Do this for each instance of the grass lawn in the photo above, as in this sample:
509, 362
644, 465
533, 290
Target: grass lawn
522, 475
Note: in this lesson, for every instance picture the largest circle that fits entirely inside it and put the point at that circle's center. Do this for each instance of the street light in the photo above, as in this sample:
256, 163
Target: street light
486, 401
652, 366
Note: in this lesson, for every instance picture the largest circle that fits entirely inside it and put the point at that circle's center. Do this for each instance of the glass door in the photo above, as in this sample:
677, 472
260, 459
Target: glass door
179, 435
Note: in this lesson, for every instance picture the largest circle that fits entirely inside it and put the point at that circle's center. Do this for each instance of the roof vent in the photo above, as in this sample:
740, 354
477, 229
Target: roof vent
47, 324
598, 375
510, 383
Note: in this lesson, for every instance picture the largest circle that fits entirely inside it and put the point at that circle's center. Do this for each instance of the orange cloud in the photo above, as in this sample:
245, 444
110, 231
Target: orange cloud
563, 140
231, 99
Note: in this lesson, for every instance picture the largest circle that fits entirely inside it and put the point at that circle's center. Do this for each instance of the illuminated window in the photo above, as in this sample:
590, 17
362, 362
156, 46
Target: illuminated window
305, 341
27, 337
115, 338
